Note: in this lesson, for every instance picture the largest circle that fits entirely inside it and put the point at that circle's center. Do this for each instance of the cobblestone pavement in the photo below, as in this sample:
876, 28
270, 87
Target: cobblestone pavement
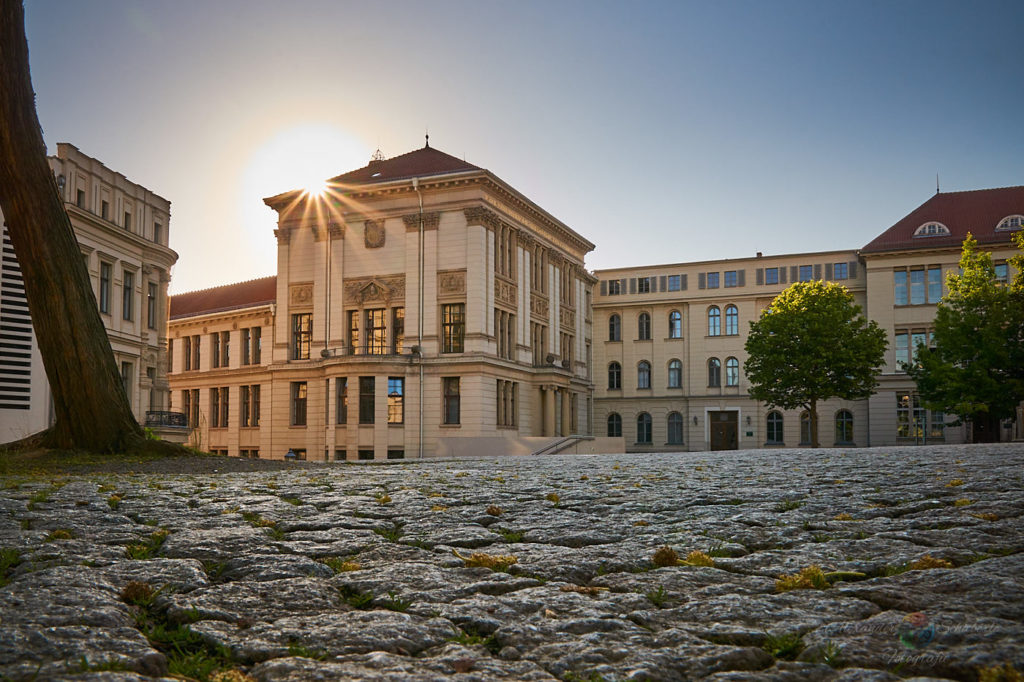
526, 569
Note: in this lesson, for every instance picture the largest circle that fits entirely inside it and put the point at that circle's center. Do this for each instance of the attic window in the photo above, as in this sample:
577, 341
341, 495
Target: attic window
932, 230
1010, 223
376, 175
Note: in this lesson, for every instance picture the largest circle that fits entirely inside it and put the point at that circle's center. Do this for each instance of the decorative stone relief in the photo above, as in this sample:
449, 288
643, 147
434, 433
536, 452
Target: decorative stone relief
431, 221
373, 234
567, 317
505, 292
384, 289
283, 234
538, 305
451, 282
300, 295
336, 230
478, 215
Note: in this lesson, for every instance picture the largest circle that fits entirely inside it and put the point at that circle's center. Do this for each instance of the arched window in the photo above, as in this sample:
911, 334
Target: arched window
774, 427
675, 374
732, 372
675, 325
643, 428
844, 427
931, 229
614, 425
1010, 223
615, 328
675, 428
805, 428
643, 374
614, 375
714, 372
732, 321
643, 325
714, 321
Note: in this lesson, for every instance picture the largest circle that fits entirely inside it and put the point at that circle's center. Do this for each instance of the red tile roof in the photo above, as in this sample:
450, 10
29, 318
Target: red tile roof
978, 212
229, 297
421, 162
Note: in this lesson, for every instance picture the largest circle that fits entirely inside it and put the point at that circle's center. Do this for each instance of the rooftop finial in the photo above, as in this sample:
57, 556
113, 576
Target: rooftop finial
428, 140
378, 155
936, 183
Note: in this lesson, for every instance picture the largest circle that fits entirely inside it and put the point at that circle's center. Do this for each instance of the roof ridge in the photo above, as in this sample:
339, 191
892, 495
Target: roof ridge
224, 286
986, 189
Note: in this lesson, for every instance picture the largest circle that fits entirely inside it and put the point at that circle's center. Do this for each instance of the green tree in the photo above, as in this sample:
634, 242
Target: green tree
813, 344
975, 369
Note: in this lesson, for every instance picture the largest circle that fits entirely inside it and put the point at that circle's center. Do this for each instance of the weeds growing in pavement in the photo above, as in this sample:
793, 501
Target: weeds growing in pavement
786, 646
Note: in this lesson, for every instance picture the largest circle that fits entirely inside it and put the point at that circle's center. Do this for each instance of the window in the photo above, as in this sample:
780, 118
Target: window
170, 355
340, 455
453, 327
396, 398
302, 335
643, 428
376, 332
675, 374
774, 428
396, 453
506, 401
341, 400
397, 330
714, 373
899, 278
925, 285
539, 343
215, 349
247, 345
914, 421
614, 425
675, 428
712, 280
643, 324
932, 230
732, 372
844, 427
732, 321
771, 275
367, 405
80, 199
614, 376
298, 403
127, 220
187, 406
249, 409
504, 333
907, 345
157, 232
151, 305
714, 321
191, 352
674, 283
105, 274
1010, 223
126, 380
840, 271
806, 273
365, 454
805, 428
220, 349
104, 210
643, 285
1002, 273
219, 408
127, 295
615, 328
614, 287
675, 325
450, 389
731, 278
353, 331
643, 374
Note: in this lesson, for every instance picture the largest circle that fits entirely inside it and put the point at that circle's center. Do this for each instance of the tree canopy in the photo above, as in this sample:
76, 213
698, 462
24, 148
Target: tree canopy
975, 367
813, 344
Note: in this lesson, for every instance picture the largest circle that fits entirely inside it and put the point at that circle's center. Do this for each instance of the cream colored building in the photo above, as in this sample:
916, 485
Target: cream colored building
669, 354
906, 274
122, 230
422, 306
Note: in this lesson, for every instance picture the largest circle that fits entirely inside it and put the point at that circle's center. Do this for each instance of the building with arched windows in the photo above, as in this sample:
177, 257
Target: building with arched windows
687, 323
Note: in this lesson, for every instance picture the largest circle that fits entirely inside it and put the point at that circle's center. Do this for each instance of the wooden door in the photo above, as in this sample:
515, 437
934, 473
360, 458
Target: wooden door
724, 430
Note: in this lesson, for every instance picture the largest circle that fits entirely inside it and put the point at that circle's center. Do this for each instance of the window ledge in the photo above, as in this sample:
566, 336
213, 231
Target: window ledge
450, 426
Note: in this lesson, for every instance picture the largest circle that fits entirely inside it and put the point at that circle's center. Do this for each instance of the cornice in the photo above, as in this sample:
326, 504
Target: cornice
431, 221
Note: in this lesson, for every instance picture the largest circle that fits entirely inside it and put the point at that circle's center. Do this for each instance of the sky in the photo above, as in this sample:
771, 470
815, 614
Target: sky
663, 132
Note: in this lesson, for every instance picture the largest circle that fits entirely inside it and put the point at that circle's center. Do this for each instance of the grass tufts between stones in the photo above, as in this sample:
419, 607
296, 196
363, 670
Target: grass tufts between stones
356, 599
470, 636
339, 564
188, 654
786, 646
495, 562
10, 558
148, 548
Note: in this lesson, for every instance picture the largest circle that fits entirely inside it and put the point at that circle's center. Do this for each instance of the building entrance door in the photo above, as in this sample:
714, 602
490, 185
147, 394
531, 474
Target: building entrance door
724, 430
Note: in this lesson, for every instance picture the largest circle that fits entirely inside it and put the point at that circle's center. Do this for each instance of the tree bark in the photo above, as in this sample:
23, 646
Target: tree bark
813, 412
91, 409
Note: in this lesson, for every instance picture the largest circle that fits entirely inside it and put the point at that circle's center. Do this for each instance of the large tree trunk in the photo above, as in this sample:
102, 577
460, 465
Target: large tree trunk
814, 424
91, 408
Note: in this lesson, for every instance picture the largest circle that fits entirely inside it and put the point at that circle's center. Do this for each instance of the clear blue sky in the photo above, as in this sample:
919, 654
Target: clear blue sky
662, 132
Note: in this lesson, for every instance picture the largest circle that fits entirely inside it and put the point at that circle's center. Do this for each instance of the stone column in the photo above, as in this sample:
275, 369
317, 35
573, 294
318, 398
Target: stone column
549, 410
566, 411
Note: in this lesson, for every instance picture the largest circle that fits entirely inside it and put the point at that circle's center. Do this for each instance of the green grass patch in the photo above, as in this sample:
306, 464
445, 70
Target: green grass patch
787, 646
149, 547
9, 560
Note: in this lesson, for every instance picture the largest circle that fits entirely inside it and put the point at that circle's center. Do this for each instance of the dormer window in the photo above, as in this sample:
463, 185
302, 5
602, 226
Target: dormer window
1010, 223
932, 230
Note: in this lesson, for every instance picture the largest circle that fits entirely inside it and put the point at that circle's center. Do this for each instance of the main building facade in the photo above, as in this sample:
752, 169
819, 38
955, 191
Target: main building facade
422, 306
